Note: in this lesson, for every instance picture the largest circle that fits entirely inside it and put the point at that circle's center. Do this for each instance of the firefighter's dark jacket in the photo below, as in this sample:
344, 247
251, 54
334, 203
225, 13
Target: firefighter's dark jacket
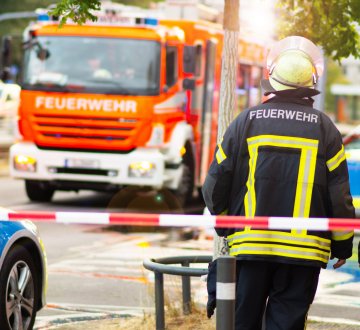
282, 158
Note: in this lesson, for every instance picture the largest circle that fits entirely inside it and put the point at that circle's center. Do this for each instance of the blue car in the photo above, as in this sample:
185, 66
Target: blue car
23, 276
352, 149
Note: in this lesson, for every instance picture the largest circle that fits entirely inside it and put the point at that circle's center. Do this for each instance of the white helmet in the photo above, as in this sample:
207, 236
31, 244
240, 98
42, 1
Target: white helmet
294, 62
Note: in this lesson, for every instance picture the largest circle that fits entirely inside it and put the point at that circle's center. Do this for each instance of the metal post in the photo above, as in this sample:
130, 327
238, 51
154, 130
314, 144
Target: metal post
159, 301
186, 291
225, 293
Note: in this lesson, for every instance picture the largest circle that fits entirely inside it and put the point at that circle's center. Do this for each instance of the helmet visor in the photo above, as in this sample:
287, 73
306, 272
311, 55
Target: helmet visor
297, 43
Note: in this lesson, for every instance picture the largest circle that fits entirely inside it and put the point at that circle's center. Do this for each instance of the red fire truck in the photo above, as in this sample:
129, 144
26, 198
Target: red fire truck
126, 101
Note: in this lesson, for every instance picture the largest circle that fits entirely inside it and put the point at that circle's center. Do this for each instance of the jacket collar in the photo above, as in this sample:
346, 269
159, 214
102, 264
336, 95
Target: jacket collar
302, 95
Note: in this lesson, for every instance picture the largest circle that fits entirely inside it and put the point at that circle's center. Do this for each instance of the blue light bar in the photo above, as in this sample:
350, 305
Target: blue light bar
151, 21
42, 15
43, 18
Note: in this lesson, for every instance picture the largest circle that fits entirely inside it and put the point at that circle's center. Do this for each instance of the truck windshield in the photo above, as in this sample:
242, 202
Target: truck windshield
93, 65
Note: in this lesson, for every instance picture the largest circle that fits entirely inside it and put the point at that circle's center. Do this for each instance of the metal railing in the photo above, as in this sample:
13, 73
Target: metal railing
163, 266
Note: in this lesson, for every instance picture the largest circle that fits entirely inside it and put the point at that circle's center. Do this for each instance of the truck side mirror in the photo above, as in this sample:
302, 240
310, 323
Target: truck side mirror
189, 59
42, 54
189, 84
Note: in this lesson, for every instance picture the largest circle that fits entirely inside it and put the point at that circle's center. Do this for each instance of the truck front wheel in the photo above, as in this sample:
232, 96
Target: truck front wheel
39, 191
186, 187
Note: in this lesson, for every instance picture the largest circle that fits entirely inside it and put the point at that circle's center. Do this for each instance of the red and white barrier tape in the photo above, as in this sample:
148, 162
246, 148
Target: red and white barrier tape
180, 220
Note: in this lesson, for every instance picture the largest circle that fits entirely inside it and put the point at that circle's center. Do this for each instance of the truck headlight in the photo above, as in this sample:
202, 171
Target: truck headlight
142, 169
24, 163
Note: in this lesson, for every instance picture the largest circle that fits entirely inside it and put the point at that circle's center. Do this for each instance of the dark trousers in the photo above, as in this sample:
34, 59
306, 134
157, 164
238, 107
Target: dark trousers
283, 292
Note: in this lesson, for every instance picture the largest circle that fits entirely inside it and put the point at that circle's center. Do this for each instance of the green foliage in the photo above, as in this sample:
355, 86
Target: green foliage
331, 24
78, 11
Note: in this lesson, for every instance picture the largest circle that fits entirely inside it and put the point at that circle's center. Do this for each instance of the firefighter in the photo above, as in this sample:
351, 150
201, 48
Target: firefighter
282, 158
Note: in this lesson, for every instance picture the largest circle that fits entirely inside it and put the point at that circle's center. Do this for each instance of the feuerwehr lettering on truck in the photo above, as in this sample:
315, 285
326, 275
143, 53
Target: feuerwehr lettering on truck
86, 104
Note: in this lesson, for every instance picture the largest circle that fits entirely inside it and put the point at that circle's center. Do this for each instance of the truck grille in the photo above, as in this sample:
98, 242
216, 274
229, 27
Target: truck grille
86, 132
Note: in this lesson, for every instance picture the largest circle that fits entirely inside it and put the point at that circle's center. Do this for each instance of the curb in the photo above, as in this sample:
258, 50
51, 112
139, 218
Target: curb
4, 164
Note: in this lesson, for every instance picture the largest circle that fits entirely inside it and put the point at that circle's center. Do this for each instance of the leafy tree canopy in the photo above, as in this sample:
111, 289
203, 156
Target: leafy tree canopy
77, 10
332, 24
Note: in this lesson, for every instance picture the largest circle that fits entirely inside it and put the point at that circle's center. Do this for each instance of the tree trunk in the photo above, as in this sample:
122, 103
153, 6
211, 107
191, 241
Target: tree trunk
227, 101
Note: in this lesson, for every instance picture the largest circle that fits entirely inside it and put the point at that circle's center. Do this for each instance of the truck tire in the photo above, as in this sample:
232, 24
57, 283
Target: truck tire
185, 190
39, 191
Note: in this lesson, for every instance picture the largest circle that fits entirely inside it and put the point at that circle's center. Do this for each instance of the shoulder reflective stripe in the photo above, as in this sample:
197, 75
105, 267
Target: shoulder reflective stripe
306, 174
280, 250
308, 241
334, 162
220, 154
341, 235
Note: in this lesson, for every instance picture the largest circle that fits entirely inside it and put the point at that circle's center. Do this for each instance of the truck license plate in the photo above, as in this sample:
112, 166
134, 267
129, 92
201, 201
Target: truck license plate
82, 163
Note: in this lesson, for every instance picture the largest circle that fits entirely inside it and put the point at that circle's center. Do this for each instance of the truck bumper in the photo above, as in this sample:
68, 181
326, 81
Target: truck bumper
94, 167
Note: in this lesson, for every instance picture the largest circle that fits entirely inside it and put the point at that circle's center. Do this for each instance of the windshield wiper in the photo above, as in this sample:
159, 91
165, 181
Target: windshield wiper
56, 87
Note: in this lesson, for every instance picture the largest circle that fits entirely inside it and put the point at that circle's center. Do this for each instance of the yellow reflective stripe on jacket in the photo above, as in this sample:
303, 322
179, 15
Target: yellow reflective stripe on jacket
281, 251
280, 237
250, 197
334, 162
306, 174
220, 154
341, 235
305, 182
356, 202
287, 141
